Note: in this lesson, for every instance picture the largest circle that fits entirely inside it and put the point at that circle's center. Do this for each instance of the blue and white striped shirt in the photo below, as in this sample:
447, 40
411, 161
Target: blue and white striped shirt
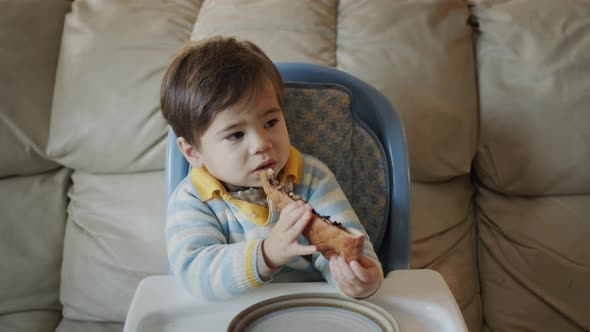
213, 240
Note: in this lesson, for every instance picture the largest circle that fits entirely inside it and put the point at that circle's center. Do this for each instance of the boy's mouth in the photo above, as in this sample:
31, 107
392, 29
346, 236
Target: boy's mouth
265, 165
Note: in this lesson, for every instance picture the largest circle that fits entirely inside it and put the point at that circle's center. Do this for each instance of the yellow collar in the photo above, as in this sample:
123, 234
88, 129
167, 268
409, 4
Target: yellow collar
208, 186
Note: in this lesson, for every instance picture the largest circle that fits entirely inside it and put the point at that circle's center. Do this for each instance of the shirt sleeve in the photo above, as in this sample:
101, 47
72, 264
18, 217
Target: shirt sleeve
327, 198
199, 253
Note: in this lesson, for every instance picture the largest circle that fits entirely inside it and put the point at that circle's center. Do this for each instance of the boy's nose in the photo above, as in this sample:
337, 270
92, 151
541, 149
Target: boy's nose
260, 143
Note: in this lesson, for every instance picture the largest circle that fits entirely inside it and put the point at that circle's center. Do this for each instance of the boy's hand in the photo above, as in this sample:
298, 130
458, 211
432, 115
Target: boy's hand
357, 279
281, 246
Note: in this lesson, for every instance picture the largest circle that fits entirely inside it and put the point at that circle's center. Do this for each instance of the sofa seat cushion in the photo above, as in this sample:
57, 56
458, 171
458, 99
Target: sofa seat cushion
444, 240
31, 240
534, 261
68, 325
30, 321
114, 238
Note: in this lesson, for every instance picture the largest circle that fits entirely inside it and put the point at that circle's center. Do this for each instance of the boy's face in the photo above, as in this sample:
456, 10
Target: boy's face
243, 140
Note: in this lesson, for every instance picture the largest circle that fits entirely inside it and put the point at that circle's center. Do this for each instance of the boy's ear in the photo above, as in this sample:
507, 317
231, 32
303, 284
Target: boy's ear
190, 152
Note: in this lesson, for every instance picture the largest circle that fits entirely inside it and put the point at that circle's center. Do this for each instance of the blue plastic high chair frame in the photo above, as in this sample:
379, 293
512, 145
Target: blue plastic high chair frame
375, 110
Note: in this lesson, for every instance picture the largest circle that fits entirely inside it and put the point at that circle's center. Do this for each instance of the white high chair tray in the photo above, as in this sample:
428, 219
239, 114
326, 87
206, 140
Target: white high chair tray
415, 300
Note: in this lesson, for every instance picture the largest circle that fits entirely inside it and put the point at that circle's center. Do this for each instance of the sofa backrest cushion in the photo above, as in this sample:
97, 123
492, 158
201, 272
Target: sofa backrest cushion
28, 60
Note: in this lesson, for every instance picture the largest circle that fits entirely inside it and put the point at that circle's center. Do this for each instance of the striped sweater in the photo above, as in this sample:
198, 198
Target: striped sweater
213, 240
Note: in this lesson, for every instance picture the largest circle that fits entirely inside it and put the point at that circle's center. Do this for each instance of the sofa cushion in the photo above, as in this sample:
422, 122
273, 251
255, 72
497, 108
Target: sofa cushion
31, 240
534, 262
533, 84
444, 240
296, 31
420, 55
68, 325
106, 115
114, 239
28, 59
37, 321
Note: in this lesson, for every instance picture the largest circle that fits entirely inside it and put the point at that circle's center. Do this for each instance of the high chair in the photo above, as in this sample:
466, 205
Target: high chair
353, 128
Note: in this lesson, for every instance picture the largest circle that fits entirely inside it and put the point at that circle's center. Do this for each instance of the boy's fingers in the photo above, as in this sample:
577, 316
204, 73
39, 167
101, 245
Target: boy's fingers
346, 271
344, 286
306, 250
365, 262
360, 272
334, 270
291, 207
303, 220
291, 213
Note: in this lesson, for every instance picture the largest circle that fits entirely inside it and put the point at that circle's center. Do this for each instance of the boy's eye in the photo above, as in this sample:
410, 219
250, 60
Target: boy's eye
271, 123
235, 136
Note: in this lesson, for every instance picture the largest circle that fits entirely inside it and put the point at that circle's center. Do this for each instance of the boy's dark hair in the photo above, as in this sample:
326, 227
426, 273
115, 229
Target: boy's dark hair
209, 76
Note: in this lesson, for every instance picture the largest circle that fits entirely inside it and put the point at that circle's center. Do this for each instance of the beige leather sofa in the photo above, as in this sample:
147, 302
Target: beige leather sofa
495, 97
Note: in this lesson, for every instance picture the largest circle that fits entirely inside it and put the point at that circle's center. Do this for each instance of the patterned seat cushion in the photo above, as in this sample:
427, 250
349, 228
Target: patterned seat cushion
322, 124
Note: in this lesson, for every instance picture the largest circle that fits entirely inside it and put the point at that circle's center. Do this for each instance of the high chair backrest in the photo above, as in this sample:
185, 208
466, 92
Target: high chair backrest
353, 128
